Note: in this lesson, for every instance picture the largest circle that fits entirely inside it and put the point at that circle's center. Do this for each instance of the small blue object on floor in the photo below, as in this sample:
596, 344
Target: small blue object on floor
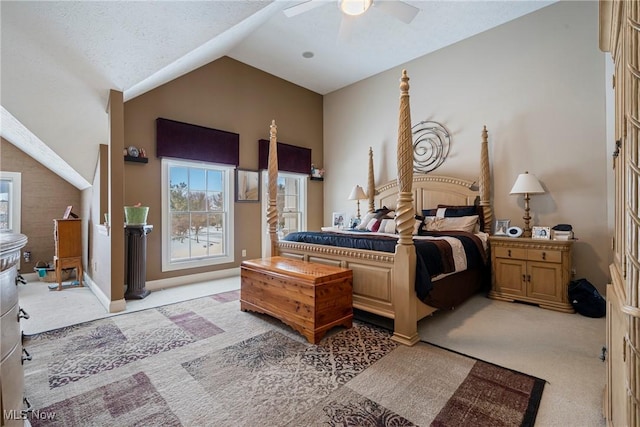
74, 284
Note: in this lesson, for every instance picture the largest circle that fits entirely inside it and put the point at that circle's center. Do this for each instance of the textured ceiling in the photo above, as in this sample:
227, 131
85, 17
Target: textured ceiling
60, 59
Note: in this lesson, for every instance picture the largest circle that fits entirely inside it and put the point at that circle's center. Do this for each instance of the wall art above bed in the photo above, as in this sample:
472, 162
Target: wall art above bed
431, 142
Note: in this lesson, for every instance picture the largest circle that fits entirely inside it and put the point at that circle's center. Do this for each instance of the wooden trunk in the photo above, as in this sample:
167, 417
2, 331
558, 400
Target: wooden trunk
311, 298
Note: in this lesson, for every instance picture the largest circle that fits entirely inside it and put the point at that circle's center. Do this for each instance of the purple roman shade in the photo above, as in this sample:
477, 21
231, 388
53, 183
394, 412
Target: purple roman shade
290, 158
192, 142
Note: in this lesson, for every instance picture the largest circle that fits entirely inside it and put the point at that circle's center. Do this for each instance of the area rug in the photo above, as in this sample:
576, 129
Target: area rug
206, 363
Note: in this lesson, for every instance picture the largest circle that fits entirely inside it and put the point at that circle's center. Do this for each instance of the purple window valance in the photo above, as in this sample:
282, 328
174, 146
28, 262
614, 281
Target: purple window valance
290, 157
193, 142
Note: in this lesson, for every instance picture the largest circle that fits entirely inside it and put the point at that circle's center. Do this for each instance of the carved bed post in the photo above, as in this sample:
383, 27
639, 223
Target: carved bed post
371, 188
272, 208
405, 322
484, 184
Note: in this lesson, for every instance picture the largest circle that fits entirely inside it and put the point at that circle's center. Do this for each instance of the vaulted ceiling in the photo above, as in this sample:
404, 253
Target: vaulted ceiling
59, 59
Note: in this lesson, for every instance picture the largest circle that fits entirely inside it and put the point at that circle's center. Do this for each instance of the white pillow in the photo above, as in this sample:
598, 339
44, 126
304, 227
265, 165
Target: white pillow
462, 223
365, 221
388, 226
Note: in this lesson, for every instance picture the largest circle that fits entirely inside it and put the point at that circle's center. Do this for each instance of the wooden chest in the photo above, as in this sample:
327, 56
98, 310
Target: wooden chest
311, 298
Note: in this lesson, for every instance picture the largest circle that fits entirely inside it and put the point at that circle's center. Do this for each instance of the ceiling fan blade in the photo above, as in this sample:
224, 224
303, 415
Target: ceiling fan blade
346, 27
302, 7
398, 9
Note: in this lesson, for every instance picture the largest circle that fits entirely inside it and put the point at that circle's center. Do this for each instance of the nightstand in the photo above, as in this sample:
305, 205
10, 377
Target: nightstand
537, 271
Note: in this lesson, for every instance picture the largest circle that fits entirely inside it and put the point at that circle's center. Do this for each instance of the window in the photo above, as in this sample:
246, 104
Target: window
10, 192
197, 214
291, 202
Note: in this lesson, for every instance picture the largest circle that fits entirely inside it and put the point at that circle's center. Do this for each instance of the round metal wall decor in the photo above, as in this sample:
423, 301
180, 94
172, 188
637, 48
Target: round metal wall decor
430, 146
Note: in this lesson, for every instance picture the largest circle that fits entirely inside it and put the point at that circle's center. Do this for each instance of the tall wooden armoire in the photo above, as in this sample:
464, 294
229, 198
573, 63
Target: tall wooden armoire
620, 35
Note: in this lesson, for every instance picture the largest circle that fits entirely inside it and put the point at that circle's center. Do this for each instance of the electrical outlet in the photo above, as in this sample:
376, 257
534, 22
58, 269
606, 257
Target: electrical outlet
244, 252
573, 272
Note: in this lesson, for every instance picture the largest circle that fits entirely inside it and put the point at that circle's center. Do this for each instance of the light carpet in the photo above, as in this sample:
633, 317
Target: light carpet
204, 362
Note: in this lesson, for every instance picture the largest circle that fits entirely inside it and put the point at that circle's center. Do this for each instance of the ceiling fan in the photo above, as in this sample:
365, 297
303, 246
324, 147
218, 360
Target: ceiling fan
351, 8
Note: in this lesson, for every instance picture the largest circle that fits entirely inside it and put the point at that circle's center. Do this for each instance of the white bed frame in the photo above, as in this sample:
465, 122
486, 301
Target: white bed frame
383, 283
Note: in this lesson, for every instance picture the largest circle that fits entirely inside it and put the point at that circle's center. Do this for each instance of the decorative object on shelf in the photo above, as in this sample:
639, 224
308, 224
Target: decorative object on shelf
514, 231
541, 232
133, 151
502, 225
142, 153
431, 143
357, 194
317, 174
337, 220
527, 184
136, 215
247, 185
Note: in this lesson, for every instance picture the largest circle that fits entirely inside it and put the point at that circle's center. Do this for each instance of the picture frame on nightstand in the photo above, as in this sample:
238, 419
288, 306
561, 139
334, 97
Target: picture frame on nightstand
538, 232
337, 220
502, 225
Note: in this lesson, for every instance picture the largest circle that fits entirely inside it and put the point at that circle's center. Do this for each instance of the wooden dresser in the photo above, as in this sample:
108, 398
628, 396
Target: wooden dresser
67, 234
531, 270
311, 298
12, 353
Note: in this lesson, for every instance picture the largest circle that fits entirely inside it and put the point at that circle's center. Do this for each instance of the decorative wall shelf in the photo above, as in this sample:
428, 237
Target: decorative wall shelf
136, 159
313, 178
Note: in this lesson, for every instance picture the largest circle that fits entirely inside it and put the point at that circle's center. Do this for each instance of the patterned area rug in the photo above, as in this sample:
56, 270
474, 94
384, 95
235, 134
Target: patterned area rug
206, 363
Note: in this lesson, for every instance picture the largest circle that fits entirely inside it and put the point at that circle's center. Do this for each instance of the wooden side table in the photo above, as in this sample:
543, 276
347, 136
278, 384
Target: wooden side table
531, 270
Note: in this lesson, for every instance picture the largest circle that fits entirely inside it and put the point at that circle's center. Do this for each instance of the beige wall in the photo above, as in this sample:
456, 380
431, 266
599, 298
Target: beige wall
234, 97
44, 197
536, 82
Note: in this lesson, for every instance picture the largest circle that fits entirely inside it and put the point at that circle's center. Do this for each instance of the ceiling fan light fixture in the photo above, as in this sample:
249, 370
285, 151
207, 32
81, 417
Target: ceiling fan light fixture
354, 7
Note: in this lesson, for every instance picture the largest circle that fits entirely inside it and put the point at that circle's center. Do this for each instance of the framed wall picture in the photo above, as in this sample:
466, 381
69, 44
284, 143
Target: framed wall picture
338, 220
541, 232
247, 185
502, 225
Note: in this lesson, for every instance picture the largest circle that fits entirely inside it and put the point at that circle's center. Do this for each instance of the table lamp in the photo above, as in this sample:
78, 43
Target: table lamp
357, 194
527, 184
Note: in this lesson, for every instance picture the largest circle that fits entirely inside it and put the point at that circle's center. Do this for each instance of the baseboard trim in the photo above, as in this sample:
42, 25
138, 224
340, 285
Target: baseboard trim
155, 285
111, 306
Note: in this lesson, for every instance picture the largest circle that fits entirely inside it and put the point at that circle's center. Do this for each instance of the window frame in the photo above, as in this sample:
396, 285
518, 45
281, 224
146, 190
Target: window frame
302, 203
15, 200
228, 235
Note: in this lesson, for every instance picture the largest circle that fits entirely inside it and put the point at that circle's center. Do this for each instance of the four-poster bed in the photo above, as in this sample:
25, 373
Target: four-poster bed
384, 282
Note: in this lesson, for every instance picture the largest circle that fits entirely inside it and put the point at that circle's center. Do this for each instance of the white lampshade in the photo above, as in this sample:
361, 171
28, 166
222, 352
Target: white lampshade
527, 184
357, 193
354, 7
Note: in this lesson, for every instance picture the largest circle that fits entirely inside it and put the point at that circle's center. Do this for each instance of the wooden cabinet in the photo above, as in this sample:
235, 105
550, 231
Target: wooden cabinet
12, 355
67, 234
531, 270
620, 36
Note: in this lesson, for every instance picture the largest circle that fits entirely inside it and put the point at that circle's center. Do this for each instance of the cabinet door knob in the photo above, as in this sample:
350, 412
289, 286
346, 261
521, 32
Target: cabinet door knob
25, 355
544, 255
22, 314
509, 253
524, 278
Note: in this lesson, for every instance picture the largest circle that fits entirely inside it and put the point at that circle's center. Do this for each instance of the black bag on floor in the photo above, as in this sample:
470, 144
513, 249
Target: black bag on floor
586, 299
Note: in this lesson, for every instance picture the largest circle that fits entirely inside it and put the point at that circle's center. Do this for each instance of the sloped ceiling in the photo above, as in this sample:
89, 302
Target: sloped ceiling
59, 59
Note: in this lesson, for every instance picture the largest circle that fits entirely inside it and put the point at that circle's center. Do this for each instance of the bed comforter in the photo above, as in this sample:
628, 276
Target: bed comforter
437, 253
